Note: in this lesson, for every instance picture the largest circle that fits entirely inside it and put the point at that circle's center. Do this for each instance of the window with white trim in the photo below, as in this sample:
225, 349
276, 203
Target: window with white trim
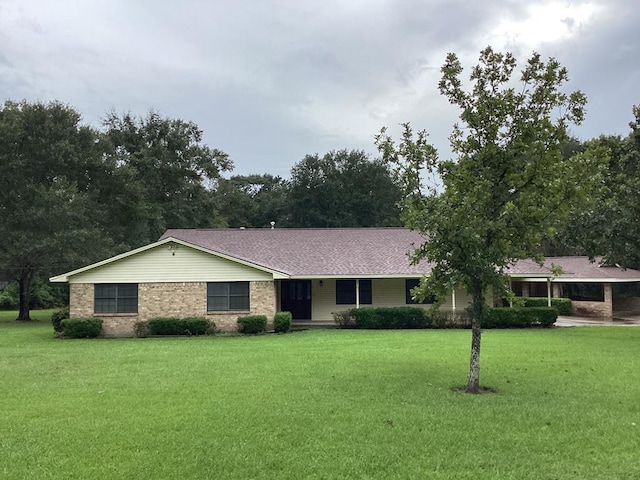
410, 284
115, 298
227, 296
346, 292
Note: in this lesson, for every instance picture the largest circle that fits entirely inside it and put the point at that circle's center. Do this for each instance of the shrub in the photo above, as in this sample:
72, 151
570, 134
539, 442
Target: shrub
282, 322
390, 317
445, 319
9, 299
43, 295
563, 305
252, 324
164, 326
178, 326
57, 317
81, 327
519, 317
195, 325
344, 319
141, 329
542, 316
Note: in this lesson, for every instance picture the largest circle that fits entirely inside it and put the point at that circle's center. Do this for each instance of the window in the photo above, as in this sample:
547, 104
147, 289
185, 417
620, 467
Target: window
346, 292
411, 283
227, 296
366, 293
538, 289
585, 292
116, 298
626, 290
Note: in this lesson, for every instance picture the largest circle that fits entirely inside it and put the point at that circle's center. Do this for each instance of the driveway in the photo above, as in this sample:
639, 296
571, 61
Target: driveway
630, 321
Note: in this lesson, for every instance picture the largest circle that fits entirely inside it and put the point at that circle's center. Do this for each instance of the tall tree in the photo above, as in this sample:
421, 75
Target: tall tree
170, 171
509, 186
608, 225
251, 200
613, 224
47, 159
342, 189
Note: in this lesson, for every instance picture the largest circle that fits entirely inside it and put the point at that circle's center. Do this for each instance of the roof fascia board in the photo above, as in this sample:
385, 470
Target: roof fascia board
65, 276
352, 276
522, 276
583, 280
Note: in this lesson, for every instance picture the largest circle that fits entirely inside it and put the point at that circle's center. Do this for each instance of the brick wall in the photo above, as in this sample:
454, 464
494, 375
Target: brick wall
602, 310
183, 299
626, 304
585, 309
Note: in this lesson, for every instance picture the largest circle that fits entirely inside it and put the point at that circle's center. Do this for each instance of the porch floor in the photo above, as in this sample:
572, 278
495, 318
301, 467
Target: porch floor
313, 324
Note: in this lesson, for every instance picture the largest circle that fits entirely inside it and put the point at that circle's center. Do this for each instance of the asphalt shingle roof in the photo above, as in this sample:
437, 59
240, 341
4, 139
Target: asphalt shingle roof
582, 267
314, 251
358, 252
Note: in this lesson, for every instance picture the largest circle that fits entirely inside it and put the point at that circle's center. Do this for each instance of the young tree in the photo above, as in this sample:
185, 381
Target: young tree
509, 186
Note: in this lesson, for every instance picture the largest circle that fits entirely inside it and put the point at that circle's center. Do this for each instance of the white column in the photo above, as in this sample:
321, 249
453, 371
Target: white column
548, 292
511, 293
453, 299
358, 293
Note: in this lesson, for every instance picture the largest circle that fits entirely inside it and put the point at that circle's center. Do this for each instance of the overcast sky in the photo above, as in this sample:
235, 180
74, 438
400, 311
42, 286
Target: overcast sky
270, 81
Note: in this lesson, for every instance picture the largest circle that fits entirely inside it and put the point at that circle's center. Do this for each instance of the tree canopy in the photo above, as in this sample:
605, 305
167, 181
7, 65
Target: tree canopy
509, 186
170, 174
252, 200
47, 159
606, 224
342, 189
71, 195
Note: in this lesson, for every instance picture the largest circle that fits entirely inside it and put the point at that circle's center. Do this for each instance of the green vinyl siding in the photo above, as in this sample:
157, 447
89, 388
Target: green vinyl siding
159, 264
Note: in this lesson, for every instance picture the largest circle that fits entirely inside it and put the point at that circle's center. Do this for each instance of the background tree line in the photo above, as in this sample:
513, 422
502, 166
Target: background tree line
71, 194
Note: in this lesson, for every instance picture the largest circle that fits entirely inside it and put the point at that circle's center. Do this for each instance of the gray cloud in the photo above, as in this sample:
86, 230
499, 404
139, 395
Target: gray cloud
270, 81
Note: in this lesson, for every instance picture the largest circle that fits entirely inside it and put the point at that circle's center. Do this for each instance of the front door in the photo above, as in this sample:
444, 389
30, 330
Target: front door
295, 297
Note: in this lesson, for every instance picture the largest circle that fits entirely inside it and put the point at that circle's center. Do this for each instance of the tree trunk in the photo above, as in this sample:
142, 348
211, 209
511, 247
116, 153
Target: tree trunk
473, 382
25, 282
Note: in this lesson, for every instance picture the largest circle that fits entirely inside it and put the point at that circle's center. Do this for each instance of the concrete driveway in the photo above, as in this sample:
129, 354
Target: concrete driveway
631, 321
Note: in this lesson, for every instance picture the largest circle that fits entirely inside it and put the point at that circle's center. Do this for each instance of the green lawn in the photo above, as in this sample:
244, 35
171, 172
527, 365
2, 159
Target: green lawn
37, 315
320, 404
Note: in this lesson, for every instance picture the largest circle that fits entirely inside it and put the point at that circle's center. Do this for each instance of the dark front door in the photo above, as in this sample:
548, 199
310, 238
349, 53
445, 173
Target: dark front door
295, 297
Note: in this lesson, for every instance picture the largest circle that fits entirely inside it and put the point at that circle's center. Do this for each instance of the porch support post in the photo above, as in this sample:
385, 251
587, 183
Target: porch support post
510, 293
548, 292
453, 299
357, 293
608, 301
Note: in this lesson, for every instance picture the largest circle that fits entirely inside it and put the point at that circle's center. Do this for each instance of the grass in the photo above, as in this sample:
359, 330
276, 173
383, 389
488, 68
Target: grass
319, 405
36, 315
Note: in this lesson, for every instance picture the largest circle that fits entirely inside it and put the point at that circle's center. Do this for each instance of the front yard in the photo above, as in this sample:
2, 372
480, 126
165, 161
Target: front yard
320, 404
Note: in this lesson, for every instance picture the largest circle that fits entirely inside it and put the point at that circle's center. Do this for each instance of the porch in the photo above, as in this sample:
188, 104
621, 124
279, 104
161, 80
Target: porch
313, 301
604, 300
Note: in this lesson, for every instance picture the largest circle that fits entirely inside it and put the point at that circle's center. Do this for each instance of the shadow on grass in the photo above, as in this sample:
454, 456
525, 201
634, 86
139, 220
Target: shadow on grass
481, 390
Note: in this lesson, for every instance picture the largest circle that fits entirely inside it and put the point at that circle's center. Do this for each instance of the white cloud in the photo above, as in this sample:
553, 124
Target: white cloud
549, 22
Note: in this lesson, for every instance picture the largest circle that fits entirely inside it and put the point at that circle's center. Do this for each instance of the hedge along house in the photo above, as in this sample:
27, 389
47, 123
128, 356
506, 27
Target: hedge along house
226, 273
